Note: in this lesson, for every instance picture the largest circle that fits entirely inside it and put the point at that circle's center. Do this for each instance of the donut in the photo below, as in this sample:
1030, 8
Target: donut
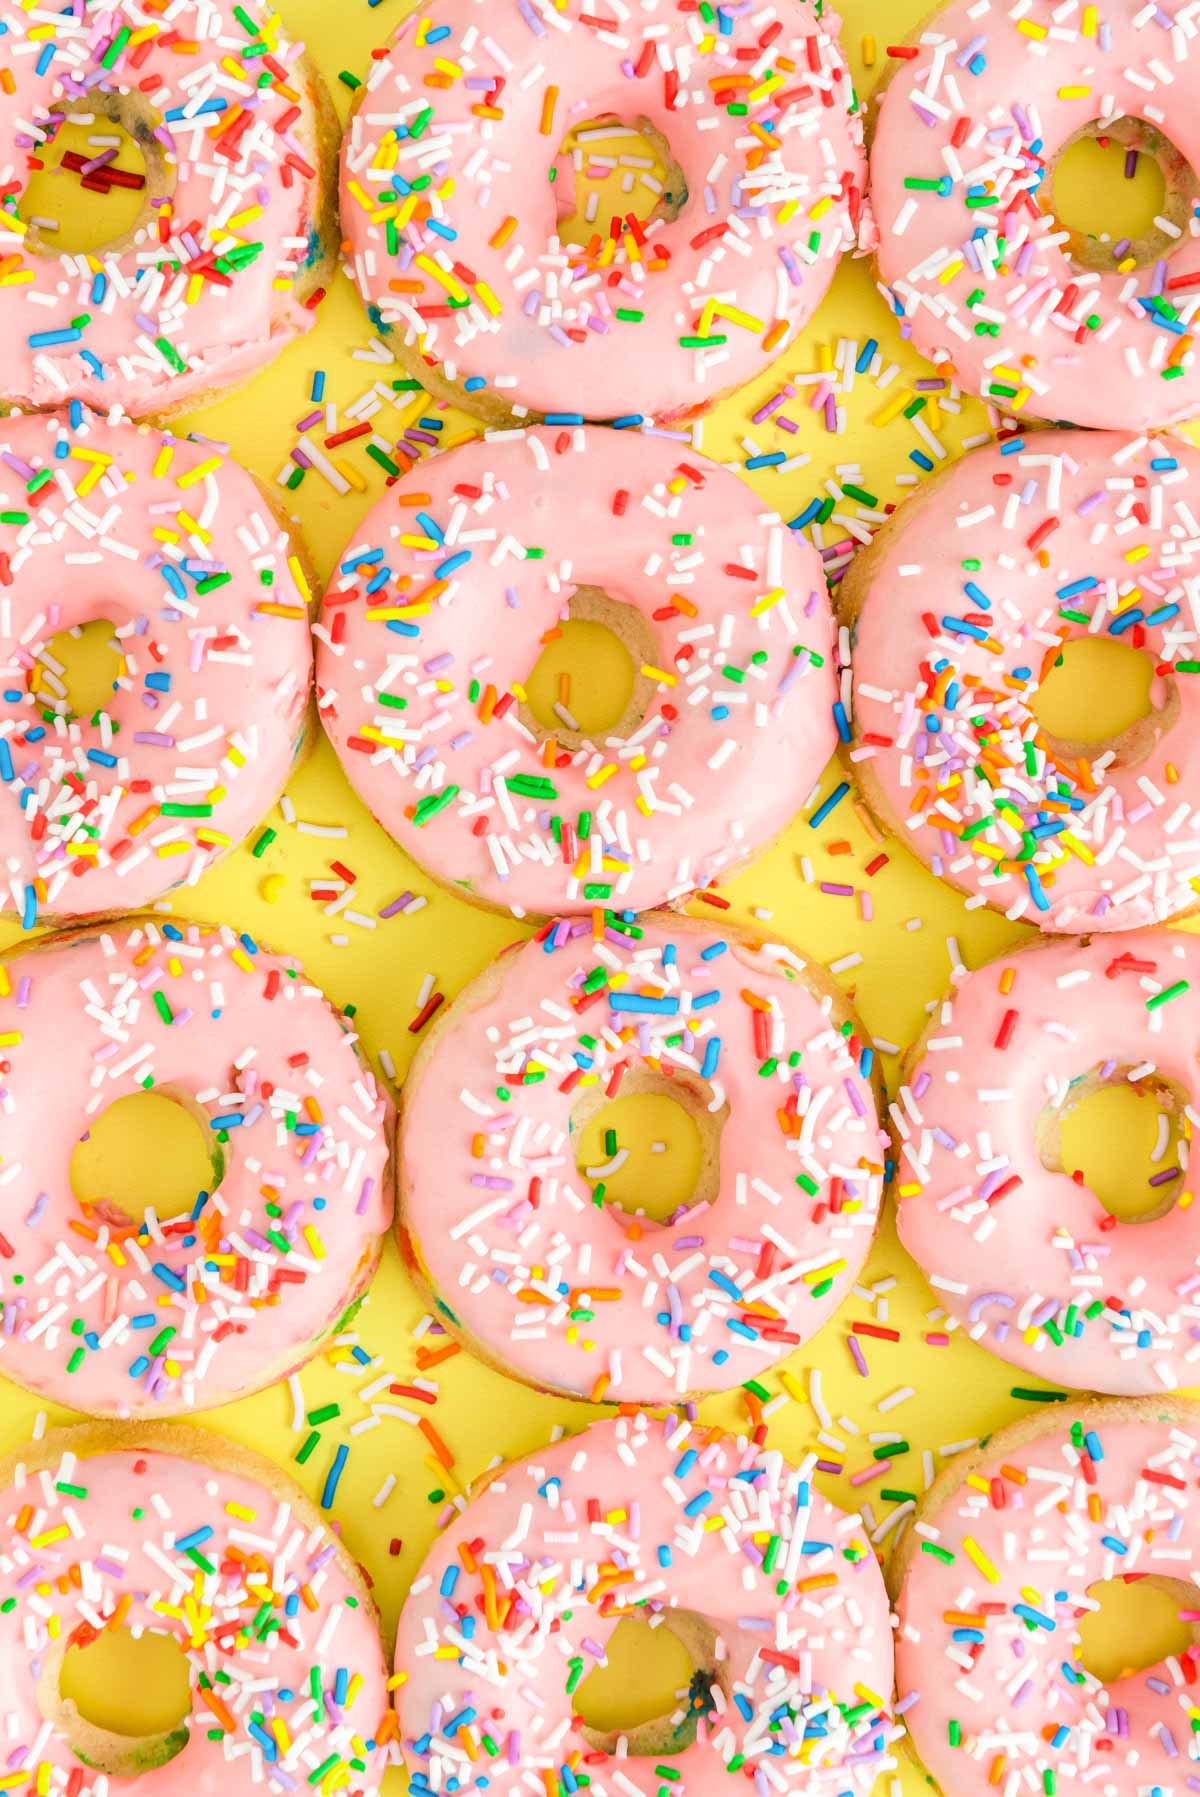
1042, 320
774, 1592
236, 237
167, 1530
518, 1248
177, 548
119, 1315
959, 610
1020, 1252
437, 614
478, 106
996, 1577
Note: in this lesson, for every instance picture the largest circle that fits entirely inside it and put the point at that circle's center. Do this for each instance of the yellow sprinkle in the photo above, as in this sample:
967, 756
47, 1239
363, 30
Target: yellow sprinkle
296, 569
1031, 29
974, 1552
271, 888
894, 407
442, 277
162, 461
49, 1536
948, 273
659, 674
1090, 21
200, 472
10, 1038
314, 1241
1074, 93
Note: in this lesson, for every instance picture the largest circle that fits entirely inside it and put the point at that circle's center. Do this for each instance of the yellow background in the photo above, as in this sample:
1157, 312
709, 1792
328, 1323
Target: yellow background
919, 931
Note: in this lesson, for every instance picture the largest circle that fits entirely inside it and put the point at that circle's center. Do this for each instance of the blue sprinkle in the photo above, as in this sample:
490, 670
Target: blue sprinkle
329, 1490
197, 1538
835, 798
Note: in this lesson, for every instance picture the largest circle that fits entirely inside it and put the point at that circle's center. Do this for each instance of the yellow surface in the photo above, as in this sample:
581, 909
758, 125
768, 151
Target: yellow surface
893, 965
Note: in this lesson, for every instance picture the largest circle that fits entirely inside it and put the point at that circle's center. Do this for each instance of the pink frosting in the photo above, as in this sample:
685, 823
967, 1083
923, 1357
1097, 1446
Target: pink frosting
989, 103
665, 1515
1027, 1259
726, 1288
175, 1547
175, 546
1018, 548
165, 322
756, 114
987, 1655
181, 1316
439, 609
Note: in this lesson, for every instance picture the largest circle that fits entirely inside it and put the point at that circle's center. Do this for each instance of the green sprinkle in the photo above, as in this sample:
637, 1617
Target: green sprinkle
263, 844
438, 801
171, 356
306, 1447
162, 1007
1165, 997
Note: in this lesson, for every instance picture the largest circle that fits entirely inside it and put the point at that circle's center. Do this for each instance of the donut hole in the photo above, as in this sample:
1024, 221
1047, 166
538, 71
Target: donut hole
609, 168
1123, 193
1122, 1134
149, 1154
589, 682
652, 1686
1134, 1624
94, 183
654, 1151
122, 1700
76, 673
1100, 695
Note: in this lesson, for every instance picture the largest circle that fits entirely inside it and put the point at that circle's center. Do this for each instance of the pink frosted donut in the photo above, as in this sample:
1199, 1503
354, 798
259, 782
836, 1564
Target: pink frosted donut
517, 1246
1019, 1251
437, 616
1011, 1545
236, 233
961, 608
175, 546
453, 223
1036, 317
775, 1593
171, 1532
118, 1314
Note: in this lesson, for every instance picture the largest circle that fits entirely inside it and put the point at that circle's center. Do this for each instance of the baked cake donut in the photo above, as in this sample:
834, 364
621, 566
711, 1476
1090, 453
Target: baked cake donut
1040, 319
774, 1592
118, 1314
960, 610
1019, 1250
517, 1246
171, 1531
177, 548
236, 237
439, 611
459, 169
1009, 1553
